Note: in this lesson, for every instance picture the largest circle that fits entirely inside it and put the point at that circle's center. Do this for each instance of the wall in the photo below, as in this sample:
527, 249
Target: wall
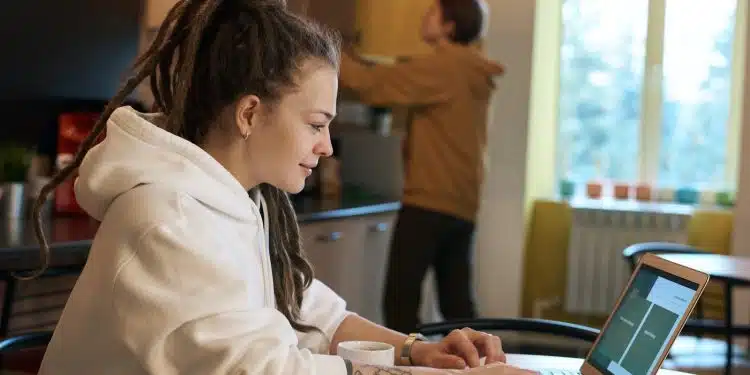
500, 238
78, 49
61, 56
542, 161
741, 238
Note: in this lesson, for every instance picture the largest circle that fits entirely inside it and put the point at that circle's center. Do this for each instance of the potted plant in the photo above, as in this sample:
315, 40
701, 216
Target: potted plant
14, 164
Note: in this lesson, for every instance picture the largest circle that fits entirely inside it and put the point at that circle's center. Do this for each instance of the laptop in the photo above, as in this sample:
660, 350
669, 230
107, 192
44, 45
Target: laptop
645, 321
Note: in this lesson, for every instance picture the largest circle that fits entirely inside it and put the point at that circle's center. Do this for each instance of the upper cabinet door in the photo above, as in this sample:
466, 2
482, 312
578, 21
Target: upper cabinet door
388, 28
383, 28
391, 28
338, 14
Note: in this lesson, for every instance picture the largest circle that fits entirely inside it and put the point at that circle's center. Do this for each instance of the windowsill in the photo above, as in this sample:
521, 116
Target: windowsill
611, 204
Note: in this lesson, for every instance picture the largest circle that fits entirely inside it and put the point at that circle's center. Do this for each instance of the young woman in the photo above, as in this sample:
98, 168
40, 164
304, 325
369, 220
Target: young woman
190, 274
448, 92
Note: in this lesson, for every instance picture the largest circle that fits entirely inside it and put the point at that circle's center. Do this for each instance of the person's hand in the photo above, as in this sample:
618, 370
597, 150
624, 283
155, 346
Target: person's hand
460, 349
497, 368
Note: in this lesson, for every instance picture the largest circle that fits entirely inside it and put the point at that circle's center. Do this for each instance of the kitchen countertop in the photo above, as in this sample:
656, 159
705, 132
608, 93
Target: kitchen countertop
70, 236
353, 202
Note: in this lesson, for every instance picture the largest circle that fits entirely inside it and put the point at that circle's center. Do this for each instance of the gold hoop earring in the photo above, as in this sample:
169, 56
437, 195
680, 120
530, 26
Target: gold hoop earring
245, 136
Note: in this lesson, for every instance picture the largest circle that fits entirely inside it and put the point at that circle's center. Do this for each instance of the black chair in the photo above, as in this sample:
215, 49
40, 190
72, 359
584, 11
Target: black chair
25, 341
633, 252
698, 325
9, 295
534, 338
17, 344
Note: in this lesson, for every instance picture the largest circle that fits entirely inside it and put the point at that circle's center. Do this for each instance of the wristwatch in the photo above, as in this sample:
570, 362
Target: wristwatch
405, 355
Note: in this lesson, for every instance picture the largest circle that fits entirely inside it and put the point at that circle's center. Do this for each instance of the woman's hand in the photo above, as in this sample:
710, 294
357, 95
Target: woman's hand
460, 349
497, 368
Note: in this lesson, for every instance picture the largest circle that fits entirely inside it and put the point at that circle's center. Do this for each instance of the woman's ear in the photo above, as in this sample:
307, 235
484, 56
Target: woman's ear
246, 114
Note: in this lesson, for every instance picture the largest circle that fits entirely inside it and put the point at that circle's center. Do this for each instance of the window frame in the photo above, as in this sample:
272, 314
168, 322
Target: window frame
650, 124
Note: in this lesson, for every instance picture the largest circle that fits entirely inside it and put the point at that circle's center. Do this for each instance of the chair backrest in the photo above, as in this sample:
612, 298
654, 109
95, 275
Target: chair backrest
545, 255
633, 252
573, 339
711, 230
23, 353
25, 341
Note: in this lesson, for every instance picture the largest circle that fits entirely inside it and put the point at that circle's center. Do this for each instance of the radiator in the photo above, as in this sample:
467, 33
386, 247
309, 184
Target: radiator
597, 271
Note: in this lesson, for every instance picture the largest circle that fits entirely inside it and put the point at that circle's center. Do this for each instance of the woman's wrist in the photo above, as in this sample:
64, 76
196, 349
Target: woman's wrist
415, 353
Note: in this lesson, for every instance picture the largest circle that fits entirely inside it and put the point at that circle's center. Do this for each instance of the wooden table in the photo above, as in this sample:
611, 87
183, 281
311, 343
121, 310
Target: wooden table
730, 270
537, 362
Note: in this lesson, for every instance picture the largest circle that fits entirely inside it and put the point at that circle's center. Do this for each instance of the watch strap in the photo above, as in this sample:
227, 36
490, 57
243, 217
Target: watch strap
405, 355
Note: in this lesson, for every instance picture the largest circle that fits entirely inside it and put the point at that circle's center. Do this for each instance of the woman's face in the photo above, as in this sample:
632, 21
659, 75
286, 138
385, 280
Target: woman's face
288, 139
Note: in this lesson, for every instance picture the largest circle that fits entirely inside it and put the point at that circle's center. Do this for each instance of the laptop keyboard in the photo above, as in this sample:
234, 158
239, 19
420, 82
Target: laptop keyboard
559, 372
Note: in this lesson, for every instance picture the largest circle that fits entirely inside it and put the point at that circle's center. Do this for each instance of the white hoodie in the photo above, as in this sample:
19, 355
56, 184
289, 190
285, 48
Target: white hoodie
178, 280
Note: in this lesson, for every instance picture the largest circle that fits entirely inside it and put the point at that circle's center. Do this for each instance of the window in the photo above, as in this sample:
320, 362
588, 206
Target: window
646, 92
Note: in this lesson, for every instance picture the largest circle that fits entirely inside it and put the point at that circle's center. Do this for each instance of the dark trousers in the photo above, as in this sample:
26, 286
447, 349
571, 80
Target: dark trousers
422, 239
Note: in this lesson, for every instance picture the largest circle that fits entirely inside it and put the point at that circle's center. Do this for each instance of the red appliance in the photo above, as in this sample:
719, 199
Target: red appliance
72, 130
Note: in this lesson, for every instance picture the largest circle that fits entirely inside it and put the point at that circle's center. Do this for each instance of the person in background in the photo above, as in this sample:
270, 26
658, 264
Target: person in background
448, 92
189, 273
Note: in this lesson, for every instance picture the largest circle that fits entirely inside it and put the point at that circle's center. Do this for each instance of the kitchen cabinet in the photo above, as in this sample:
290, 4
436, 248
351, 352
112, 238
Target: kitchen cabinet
335, 249
350, 256
391, 28
340, 15
378, 232
383, 28
337, 14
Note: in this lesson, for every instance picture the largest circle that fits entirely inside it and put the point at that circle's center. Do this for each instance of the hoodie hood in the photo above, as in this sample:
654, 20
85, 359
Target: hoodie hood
480, 71
136, 151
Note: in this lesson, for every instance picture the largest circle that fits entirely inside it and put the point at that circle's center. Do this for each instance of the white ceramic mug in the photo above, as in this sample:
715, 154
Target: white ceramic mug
369, 352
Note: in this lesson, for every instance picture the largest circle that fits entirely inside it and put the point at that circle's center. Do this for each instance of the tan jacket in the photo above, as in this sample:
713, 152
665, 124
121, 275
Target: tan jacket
448, 92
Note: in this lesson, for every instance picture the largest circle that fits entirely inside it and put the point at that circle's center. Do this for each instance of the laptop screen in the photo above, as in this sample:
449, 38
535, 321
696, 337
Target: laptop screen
643, 323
